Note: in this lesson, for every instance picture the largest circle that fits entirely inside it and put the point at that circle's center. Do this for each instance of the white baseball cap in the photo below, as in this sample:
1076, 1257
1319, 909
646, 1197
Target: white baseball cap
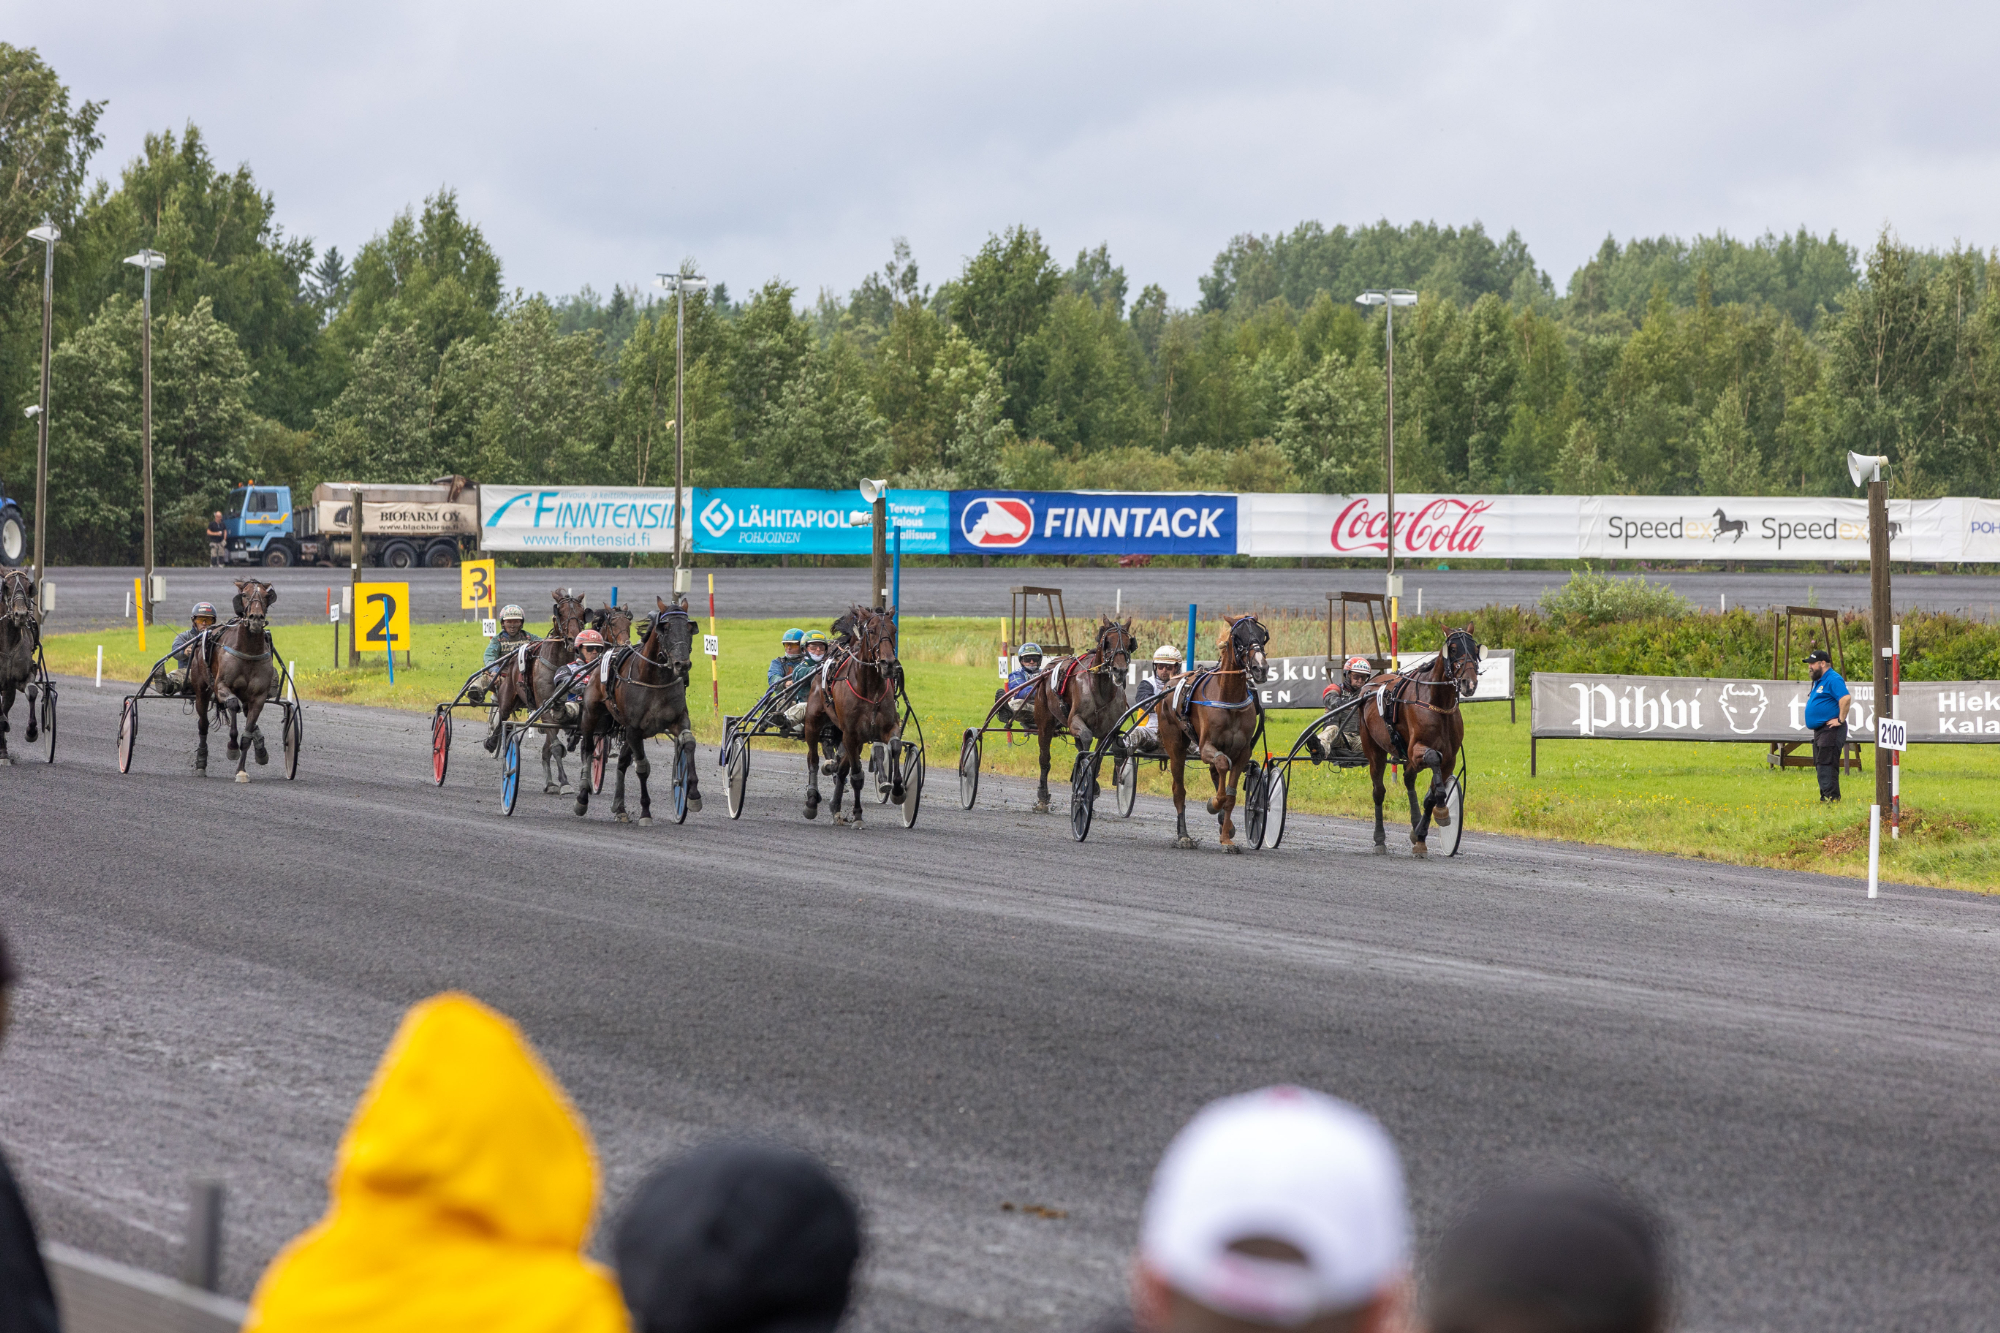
1286, 1164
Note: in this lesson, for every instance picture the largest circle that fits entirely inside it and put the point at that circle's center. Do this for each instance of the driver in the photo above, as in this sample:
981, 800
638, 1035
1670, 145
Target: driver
571, 678
174, 681
1020, 707
790, 660
1166, 665
814, 647
1342, 737
513, 633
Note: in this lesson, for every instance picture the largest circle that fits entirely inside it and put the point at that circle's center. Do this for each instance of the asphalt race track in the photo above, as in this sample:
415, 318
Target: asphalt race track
96, 597
978, 1012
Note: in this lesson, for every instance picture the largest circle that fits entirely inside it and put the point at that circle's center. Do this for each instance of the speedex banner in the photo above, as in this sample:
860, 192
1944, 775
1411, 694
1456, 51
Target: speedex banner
753, 521
1092, 523
1693, 708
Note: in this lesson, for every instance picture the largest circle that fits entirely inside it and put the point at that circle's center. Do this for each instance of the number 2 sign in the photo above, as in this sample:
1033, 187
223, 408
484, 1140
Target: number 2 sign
382, 616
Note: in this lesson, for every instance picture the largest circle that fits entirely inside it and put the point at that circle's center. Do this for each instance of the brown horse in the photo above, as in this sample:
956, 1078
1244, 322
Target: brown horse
1215, 714
20, 634
529, 676
646, 696
1423, 728
857, 696
235, 672
1084, 696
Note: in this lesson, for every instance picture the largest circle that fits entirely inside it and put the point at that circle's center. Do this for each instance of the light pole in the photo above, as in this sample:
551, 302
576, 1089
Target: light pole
1390, 299
147, 260
680, 284
48, 236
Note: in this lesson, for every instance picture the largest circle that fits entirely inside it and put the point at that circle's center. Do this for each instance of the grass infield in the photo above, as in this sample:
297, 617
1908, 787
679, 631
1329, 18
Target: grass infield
1703, 800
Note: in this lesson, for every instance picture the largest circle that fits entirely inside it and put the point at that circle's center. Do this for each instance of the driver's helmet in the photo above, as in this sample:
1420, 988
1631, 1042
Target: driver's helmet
204, 611
1360, 666
794, 642
590, 642
512, 612
1029, 650
815, 639
1166, 655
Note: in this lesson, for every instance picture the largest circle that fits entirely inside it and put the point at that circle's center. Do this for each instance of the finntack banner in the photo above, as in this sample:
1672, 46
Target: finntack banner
1092, 523
576, 518
756, 521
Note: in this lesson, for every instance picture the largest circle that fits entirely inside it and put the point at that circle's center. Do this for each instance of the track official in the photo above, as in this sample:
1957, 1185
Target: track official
1826, 717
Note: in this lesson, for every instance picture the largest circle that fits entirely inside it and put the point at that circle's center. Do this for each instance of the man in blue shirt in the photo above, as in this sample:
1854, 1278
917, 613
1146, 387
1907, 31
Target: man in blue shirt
1827, 703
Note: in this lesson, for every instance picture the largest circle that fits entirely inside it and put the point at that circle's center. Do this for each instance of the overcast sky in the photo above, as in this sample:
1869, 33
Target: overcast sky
599, 143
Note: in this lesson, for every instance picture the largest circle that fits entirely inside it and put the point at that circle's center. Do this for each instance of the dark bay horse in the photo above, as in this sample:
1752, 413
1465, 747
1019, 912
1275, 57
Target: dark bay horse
646, 696
857, 695
235, 672
1085, 695
20, 632
1423, 728
1214, 714
529, 677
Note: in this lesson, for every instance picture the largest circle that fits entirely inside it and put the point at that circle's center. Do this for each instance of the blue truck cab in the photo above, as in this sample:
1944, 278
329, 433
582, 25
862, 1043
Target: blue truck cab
259, 522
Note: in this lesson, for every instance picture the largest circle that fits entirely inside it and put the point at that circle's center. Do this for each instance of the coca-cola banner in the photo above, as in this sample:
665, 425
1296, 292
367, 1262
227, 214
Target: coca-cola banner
1428, 527
1695, 708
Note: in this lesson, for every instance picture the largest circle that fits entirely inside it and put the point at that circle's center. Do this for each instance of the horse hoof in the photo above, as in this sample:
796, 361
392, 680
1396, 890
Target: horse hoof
1228, 846
241, 776
1417, 849
1213, 808
1040, 807
1381, 849
32, 733
645, 821
694, 804
550, 789
565, 790
812, 812
581, 808
261, 755
1441, 817
1184, 843
622, 818
840, 819
830, 768
232, 754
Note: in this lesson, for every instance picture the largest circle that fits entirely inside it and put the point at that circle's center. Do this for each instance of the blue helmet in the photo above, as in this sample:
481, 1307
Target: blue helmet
793, 636
1029, 650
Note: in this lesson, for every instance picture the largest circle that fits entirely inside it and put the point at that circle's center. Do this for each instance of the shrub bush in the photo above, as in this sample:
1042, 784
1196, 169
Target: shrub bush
1591, 598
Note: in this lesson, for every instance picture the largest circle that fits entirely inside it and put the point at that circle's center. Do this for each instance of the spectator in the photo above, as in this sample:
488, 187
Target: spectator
1827, 703
218, 541
27, 1302
1275, 1209
461, 1197
1551, 1256
738, 1238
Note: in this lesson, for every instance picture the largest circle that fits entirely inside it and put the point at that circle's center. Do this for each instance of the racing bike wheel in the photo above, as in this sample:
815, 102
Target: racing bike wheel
1125, 777
1256, 804
510, 770
598, 753
128, 734
913, 783
49, 719
1280, 795
1082, 794
293, 736
968, 771
738, 780
440, 744
683, 775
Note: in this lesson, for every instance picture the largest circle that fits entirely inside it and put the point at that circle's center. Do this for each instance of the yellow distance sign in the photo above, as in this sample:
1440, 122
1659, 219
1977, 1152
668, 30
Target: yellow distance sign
382, 616
478, 584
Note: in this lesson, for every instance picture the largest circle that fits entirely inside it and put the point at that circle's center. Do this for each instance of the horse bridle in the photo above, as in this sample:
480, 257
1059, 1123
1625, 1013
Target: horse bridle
877, 631
1105, 657
20, 603
254, 618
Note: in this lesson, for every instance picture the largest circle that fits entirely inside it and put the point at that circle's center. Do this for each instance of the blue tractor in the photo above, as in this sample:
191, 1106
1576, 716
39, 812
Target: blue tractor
13, 532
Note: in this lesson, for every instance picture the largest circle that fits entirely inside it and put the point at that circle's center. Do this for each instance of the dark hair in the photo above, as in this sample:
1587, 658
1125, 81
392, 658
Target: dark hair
1564, 1254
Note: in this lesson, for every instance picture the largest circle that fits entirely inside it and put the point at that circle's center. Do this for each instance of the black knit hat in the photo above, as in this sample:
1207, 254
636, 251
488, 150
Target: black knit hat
1556, 1255
738, 1238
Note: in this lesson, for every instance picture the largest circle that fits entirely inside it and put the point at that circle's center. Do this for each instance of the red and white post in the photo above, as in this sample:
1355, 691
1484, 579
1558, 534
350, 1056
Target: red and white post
1896, 711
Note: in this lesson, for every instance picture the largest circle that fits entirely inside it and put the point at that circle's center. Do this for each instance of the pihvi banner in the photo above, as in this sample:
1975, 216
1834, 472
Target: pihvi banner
576, 518
1092, 523
1695, 708
755, 521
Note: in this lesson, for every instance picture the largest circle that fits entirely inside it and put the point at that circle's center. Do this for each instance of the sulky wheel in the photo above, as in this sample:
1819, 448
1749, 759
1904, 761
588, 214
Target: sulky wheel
1279, 789
1125, 777
128, 734
1256, 804
913, 783
968, 771
510, 770
1454, 803
683, 776
440, 744
1082, 794
738, 776
49, 719
292, 733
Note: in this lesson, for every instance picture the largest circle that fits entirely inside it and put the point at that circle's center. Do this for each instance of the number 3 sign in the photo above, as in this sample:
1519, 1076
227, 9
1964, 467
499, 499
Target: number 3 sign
382, 616
476, 584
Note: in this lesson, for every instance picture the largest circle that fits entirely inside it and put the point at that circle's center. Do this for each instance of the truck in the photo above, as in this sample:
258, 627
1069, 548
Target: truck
402, 527
13, 533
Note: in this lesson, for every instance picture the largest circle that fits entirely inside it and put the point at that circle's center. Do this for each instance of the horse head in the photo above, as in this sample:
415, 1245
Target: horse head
846, 628
875, 637
1460, 660
614, 623
253, 601
569, 615
1245, 639
17, 597
1115, 644
673, 636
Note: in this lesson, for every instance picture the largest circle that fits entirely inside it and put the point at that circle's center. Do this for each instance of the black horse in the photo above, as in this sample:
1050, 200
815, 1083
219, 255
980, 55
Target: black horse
641, 692
20, 637
1413, 718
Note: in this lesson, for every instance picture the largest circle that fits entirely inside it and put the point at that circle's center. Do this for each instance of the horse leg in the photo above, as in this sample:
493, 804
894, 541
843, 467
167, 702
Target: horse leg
694, 770
252, 733
1440, 788
34, 713
1376, 763
583, 788
636, 746
1225, 799
1420, 815
618, 813
6, 707
225, 703
1178, 765
503, 703
1041, 806
841, 764
201, 732
812, 767
854, 776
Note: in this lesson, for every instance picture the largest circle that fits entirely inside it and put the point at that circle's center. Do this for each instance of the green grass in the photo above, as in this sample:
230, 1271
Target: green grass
1715, 801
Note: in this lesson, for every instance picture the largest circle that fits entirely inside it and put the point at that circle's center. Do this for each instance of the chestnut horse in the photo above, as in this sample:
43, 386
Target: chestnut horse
856, 695
646, 695
1084, 695
20, 633
1423, 728
234, 671
1216, 716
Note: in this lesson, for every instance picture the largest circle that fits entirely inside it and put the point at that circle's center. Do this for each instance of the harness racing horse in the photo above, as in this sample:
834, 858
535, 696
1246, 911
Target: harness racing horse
1084, 696
646, 696
1423, 728
234, 673
856, 695
529, 677
1218, 718
20, 633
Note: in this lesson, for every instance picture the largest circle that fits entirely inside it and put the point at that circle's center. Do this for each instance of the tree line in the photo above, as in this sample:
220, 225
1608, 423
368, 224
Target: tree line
1716, 366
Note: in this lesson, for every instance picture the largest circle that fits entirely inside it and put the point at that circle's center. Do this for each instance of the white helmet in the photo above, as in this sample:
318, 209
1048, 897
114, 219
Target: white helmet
1358, 663
1166, 652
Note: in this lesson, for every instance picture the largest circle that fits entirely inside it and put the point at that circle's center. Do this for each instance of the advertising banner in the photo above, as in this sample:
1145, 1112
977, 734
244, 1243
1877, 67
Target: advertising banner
1093, 523
754, 521
1428, 527
574, 518
1979, 529
1652, 527
1692, 708
399, 517
1298, 682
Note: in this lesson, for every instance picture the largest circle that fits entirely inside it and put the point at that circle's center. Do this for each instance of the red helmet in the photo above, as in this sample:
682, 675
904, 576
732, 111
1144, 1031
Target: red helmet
1358, 663
590, 638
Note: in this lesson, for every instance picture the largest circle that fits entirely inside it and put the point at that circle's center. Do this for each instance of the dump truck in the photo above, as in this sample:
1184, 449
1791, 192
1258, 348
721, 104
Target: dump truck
402, 526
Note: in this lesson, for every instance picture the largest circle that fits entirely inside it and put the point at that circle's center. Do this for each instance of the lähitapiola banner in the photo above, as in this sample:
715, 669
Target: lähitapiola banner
754, 521
1093, 523
1693, 708
576, 518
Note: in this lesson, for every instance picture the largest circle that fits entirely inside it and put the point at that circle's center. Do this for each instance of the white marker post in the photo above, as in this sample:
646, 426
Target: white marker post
100, 666
1874, 846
